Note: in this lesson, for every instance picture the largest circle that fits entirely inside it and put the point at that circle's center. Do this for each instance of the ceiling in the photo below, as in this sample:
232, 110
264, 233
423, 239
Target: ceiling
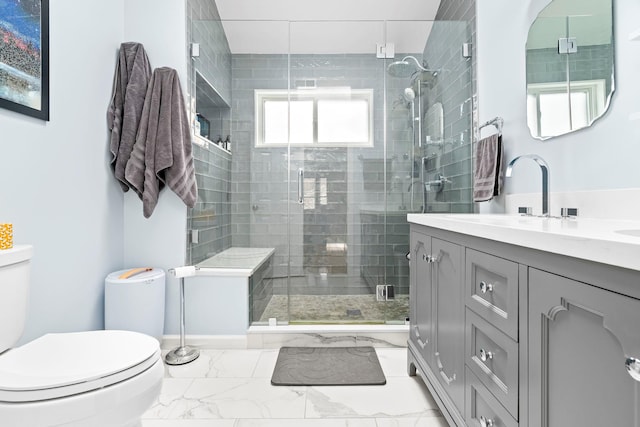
326, 26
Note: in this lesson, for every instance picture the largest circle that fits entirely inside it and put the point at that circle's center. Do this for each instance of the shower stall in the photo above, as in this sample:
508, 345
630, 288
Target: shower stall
316, 138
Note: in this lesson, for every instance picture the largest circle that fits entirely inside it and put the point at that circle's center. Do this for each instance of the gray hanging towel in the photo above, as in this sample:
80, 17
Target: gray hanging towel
487, 179
130, 83
162, 152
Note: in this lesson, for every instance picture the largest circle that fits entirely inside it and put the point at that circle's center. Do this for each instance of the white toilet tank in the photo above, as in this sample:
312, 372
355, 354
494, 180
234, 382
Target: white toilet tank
15, 266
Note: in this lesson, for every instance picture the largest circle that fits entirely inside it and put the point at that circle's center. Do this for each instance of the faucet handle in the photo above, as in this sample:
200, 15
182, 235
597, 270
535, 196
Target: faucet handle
525, 210
568, 212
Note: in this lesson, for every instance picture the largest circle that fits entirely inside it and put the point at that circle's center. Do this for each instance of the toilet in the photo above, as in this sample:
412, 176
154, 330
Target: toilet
88, 379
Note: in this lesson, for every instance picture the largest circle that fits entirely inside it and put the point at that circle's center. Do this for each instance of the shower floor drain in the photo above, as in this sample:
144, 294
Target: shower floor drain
354, 312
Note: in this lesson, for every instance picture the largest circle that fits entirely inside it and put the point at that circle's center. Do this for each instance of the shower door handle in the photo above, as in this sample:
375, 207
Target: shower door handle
301, 186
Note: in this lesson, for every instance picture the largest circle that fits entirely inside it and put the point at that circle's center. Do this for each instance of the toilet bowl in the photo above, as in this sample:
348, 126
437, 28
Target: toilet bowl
81, 379
92, 379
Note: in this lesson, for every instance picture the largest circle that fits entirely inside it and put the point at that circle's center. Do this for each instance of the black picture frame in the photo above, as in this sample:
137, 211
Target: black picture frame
24, 57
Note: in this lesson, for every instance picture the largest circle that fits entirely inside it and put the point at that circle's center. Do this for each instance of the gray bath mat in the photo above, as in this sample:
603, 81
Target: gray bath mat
328, 366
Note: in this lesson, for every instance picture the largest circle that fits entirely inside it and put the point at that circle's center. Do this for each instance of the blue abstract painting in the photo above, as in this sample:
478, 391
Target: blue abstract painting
24, 56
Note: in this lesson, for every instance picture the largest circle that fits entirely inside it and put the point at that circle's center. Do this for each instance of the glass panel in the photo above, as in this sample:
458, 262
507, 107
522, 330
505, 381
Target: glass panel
275, 119
429, 137
342, 174
342, 121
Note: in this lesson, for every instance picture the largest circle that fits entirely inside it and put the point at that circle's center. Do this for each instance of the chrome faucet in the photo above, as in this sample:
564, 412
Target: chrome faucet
544, 167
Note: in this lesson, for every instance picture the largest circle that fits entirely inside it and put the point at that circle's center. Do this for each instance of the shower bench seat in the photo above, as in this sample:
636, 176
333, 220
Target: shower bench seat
218, 299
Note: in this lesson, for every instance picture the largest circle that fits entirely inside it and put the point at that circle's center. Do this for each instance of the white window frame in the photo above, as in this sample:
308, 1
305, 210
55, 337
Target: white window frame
594, 89
315, 95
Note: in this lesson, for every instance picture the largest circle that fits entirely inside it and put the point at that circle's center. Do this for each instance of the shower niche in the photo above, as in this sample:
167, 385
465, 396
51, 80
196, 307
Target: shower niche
212, 120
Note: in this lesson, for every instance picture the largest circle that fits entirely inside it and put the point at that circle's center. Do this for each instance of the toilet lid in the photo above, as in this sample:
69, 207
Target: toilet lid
57, 365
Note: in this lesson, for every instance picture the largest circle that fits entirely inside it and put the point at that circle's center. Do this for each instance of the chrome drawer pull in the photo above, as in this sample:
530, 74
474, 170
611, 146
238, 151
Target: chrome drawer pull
486, 422
485, 355
633, 368
486, 287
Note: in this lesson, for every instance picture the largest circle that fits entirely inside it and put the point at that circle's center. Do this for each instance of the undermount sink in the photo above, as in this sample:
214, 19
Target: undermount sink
633, 232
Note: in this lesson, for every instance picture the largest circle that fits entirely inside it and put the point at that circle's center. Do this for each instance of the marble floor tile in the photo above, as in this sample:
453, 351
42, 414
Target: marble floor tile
218, 364
411, 422
171, 403
393, 361
344, 422
372, 401
266, 363
243, 398
232, 388
188, 423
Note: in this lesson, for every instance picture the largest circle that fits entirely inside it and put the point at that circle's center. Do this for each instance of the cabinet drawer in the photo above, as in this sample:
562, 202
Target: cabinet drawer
492, 290
493, 357
481, 405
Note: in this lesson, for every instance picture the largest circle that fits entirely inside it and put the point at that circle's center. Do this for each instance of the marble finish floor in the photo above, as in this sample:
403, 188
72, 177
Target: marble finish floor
231, 388
360, 309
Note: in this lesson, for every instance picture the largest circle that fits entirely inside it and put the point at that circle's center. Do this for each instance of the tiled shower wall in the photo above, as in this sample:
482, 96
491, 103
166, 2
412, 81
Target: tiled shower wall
211, 216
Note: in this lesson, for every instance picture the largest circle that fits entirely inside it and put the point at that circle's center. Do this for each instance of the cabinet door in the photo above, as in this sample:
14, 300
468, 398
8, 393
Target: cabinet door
420, 293
581, 338
448, 323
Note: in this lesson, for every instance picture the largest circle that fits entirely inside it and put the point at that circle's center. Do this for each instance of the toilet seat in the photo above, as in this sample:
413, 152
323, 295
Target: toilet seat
60, 365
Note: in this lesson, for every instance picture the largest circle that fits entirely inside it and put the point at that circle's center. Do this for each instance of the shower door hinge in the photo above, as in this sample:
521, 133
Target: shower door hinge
567, 45
466, 50
385, 50
195, 50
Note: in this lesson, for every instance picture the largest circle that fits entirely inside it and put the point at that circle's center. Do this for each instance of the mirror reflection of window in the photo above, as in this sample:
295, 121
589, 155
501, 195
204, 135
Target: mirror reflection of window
557, 113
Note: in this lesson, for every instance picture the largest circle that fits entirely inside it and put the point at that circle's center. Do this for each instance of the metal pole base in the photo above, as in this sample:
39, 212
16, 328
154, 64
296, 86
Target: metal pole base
181, 355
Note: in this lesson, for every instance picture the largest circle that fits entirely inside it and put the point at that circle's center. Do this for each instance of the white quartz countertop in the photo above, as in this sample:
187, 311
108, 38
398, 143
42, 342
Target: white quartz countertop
614, 242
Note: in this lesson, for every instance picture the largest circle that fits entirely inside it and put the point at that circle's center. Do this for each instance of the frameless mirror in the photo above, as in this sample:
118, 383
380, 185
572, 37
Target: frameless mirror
570, 66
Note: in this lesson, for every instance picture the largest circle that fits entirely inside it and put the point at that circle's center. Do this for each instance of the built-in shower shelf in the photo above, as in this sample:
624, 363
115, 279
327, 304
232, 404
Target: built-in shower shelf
635, 35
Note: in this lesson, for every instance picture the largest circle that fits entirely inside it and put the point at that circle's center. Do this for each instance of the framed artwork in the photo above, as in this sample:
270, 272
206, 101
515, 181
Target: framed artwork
24, 57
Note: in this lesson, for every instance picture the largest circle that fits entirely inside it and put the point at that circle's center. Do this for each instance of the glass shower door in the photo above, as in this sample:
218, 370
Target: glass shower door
337, 170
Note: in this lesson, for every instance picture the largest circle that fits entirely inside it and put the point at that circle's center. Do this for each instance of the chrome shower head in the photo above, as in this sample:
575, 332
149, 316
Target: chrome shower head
404, 68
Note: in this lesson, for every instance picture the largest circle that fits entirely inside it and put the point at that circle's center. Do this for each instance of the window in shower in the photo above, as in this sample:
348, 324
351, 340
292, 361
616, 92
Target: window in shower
335, 117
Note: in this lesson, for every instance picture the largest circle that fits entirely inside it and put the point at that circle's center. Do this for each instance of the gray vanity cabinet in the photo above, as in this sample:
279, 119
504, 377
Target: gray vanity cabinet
580, 338
420, 294
548, 340
437, 313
